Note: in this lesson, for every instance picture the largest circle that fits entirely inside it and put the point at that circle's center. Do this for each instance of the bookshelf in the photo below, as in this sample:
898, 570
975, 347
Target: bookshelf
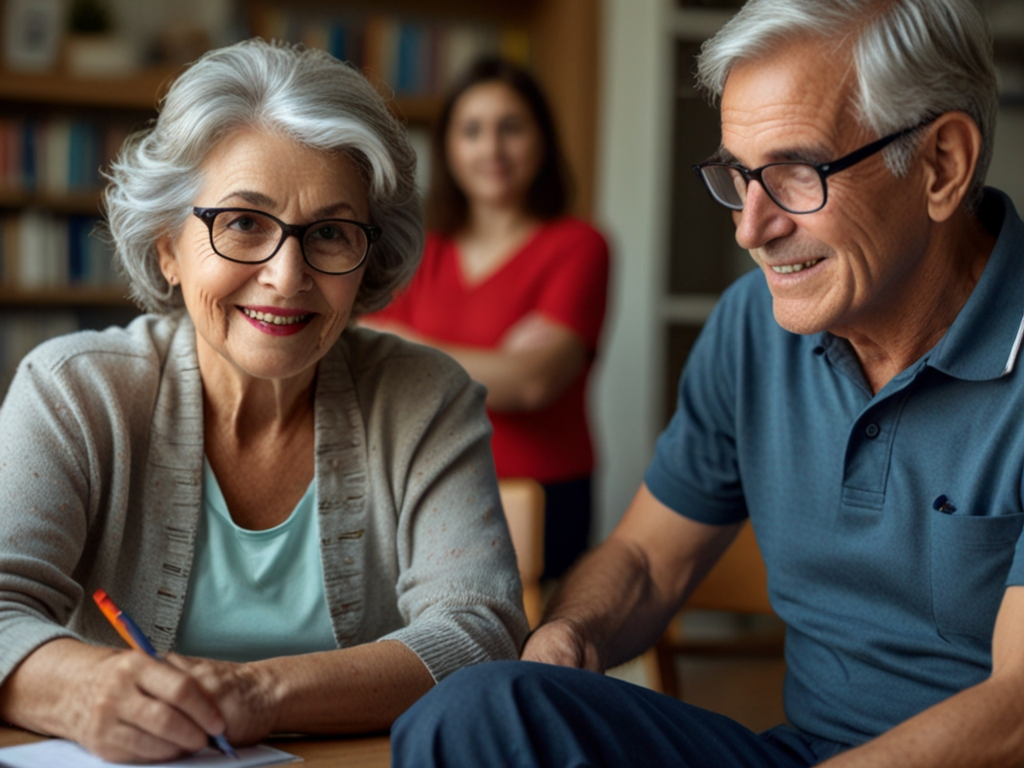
72, 296
138, 92
56, 132
558, 39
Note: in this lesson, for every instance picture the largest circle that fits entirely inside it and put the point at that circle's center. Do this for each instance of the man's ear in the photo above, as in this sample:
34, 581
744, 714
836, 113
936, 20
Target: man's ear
951, 149
168, 261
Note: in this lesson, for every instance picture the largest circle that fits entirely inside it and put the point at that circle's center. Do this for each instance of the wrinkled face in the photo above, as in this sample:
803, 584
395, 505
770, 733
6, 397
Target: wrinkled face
274, 320
494, 145
848, 264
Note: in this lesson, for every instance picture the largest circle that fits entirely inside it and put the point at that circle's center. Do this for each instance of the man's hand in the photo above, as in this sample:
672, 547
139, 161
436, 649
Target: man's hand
617, 601
559, 642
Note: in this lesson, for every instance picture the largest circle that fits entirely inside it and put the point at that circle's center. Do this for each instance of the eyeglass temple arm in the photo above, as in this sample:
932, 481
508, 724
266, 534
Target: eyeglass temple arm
827, 169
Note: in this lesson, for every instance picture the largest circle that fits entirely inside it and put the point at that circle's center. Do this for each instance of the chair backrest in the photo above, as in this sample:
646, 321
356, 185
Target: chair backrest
738, 582
523, 501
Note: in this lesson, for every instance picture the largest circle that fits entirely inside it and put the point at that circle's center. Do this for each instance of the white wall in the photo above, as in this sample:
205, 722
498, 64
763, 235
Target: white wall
632, 205
1007, 169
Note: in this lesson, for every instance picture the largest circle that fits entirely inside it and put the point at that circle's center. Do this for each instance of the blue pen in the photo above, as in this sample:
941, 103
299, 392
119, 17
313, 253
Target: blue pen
132, 635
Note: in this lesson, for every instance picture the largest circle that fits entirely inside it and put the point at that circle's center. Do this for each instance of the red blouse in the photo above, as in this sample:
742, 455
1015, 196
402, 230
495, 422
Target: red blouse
561, 272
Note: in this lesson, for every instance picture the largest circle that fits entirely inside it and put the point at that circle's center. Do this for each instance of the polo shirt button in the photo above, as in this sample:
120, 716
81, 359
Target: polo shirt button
872, 430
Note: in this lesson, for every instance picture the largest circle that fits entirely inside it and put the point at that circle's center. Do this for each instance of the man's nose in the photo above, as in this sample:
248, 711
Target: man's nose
761, 219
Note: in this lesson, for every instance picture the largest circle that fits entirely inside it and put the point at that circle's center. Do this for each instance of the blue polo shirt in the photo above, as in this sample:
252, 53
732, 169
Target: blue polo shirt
889, 603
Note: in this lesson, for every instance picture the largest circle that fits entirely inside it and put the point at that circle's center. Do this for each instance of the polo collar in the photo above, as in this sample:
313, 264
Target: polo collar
984, 341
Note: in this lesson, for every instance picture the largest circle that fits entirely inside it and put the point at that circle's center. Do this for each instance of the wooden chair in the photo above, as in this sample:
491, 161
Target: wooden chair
738, 584
523, 500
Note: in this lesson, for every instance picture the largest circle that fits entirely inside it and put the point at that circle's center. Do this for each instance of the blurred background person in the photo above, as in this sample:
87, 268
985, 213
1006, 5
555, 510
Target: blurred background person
513, 288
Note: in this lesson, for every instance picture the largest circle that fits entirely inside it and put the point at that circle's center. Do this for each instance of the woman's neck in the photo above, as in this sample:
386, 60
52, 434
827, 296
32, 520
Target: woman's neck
489, 223
246, 406
491, 237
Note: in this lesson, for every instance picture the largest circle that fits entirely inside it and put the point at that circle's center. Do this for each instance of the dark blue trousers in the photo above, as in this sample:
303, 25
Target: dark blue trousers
525, 715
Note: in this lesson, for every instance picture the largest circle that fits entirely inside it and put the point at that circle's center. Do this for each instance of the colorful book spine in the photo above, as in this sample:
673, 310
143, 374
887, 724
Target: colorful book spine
30, 136
411, 56
40, 250
55, 156
408, 65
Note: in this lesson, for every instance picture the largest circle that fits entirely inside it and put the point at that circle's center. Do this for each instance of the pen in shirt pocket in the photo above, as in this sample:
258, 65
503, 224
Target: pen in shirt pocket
132, 635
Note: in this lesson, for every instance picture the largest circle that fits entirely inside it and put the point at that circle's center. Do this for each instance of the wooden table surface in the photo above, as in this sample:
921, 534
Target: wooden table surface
351, 752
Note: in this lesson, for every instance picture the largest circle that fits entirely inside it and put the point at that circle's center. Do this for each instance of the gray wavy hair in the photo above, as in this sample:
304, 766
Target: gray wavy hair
306, 95
914, 59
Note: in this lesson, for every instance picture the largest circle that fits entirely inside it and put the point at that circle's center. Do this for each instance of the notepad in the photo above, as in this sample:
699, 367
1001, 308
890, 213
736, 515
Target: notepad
58, 753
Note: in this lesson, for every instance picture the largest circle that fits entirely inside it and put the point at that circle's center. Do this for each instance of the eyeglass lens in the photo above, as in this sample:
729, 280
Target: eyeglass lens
331, 245
797, 187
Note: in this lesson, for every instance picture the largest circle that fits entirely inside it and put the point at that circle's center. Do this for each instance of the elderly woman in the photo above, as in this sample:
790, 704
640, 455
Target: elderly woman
306, 513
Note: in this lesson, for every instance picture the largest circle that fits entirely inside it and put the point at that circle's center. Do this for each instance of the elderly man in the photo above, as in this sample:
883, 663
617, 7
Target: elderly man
873, 432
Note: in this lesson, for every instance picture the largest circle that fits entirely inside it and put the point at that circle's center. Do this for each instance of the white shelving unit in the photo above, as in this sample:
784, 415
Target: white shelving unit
633, 205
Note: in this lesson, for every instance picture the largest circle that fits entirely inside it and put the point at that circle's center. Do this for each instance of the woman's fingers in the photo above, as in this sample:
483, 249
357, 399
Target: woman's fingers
145, 710
178, 688
125, 743
243, 693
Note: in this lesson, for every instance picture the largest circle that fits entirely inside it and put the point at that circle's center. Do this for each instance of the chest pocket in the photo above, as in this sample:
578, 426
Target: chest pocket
971, 557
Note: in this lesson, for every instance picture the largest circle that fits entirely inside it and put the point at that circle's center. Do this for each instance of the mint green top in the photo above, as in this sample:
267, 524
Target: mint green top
255, 594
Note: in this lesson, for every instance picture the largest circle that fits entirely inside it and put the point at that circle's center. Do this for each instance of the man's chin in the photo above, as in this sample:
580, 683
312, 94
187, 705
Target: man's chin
797, 317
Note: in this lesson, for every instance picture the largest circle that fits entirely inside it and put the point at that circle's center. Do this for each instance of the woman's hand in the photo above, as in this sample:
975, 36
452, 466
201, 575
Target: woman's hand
140, 709
531, 332
361, 689
120, 705
244, 694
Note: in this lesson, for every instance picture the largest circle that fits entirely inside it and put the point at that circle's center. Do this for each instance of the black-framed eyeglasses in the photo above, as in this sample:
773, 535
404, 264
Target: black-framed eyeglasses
249, 236
796, 187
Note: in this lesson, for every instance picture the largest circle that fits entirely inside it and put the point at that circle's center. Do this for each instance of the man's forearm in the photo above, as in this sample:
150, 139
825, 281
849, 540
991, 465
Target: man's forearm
619, 599
605, 612
979, 727
982, 726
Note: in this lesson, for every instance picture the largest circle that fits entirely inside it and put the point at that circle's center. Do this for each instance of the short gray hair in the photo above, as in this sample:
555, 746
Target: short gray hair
914, 59
304, 94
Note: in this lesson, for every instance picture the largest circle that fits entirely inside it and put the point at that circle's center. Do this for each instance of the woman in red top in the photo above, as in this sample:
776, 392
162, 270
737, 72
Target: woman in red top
513, 288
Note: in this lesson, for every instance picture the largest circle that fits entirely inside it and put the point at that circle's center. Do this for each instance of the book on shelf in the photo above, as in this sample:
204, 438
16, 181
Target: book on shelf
21, 331
56, 155
415, 57
40, 250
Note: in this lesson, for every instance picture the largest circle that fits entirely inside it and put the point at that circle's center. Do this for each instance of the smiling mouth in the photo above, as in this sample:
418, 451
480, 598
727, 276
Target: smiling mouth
270, 319
788, 269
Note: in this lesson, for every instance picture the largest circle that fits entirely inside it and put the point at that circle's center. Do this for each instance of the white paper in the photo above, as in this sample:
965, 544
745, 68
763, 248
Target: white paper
57, 753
